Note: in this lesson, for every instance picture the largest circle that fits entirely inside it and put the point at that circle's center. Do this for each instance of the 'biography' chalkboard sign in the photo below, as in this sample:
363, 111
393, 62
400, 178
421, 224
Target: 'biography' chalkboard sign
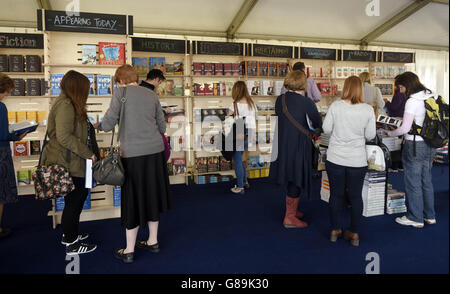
318, 53
159, 45
26, 41
85, 22
272, 51
220, 48
359, 55
402, 57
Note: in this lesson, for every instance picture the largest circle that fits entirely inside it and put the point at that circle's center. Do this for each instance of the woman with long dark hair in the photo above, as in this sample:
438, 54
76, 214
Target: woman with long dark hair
69, 145
417, 156
243, 108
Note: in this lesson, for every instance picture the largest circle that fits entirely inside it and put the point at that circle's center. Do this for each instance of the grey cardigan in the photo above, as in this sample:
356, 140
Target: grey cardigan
142, 122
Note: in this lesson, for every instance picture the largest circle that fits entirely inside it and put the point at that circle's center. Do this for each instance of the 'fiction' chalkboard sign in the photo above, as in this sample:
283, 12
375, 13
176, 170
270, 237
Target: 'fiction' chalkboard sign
402, 57
159, 45
26, 41
317, 53
272, 51
359, 55
220, 48
84, 23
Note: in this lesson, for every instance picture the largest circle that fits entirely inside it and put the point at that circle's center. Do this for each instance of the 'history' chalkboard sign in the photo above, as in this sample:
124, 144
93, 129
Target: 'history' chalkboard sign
318, 53
359, 55
85, 23
220, 48
272, 51
402, 57
25, 41
159, 45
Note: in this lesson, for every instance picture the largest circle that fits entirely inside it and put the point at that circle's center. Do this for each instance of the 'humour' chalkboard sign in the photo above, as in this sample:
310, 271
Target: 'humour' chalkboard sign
403, 57
220, 48
317, 53
159, 45
272, 51
359, 55
85, 22
27, 41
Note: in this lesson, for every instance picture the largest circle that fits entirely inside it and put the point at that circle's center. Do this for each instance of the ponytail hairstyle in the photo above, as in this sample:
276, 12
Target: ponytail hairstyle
240, 91
411, 82
76, 87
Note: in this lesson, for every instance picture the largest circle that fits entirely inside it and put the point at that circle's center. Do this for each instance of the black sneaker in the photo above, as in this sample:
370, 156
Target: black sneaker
82, 236
80, 248
247, 185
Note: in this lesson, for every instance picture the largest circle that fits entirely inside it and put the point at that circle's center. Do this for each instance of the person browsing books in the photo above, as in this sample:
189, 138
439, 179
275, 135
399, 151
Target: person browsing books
146, 191
244, 108
291, 166
372, 95
8, 186
312, 91
67, 146
351, 123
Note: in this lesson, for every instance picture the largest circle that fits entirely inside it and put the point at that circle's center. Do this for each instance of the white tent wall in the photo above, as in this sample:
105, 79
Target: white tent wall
432, 69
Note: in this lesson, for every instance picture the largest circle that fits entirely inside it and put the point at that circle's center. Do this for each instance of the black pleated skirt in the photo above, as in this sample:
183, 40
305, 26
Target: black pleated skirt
146, 191
8, 187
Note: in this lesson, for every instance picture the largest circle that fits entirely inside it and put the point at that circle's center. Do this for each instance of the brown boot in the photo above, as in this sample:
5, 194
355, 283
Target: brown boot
290, 221
353, 237
299, 214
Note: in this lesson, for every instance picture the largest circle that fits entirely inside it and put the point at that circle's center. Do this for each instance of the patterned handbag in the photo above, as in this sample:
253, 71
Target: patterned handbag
52, 181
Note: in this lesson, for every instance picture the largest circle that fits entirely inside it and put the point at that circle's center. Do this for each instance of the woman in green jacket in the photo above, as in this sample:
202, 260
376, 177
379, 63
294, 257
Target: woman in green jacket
69, 146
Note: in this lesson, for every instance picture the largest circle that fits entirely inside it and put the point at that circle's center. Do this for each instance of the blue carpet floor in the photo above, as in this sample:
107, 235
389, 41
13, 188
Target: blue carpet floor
211, 230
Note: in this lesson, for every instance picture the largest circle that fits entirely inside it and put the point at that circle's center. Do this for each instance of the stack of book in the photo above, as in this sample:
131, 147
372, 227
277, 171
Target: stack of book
24, 177
442, 155
325, 139
213, 89
19, 63
325, 187
29, 87
216, 69
99, 84
373, 193
395, 202
264, 68
392, 143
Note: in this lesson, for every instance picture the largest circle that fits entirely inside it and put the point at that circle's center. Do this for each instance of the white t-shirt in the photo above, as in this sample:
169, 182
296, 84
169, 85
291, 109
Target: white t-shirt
245, 110
416, 105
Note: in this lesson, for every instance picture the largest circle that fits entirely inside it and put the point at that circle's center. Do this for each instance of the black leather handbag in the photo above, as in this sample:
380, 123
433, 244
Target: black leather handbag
110, 170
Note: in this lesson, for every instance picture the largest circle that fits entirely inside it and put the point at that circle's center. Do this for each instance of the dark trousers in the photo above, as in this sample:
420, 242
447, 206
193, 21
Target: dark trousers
292, 190
345, 181
73, 205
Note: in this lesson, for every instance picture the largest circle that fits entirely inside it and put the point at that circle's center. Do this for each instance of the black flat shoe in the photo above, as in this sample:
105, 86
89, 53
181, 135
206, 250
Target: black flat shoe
125, 257
5, 233
143, 245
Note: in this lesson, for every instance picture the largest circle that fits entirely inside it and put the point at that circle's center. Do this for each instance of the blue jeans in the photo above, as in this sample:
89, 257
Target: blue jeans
418, 184
239, 167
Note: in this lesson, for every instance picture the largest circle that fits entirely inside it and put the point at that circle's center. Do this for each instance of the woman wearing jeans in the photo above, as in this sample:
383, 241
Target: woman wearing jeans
351, 122
243, 108
417, 156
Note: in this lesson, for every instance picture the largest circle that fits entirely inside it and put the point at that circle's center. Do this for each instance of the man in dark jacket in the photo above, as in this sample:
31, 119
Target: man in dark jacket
154, 78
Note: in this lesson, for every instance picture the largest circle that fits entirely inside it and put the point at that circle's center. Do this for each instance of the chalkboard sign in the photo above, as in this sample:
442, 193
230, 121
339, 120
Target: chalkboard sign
26, 41
402, 57
359, 55
318, 53
159, 45
85, 23
220, 48
272, 51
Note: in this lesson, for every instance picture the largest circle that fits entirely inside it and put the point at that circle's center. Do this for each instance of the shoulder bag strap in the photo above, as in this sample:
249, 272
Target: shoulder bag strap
123, 100
293, 121
375, 102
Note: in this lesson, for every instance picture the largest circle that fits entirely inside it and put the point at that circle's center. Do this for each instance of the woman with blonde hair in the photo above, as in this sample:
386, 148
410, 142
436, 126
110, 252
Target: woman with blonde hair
351, 123
372, 95
244, 110
292, 167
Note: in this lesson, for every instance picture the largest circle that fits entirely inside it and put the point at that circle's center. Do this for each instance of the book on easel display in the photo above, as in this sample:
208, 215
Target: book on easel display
88, 54
111, 53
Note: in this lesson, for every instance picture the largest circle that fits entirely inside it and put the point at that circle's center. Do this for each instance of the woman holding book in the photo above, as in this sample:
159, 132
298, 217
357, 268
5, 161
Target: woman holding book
351, 123
291, 165
244, 111
70, 142
146, 191
8, 186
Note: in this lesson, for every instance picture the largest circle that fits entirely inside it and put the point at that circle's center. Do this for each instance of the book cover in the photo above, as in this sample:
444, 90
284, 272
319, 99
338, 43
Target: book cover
11, 117
263, 68
140, 64
208, 69
197, 68
253, 87
91, 78
166, 88
178, 90
379, 72
345, 72
224, 164
218, 69
16, 63
20, 148
88, 54
41, 117
170, 68
201, 164
19, 87
111, 53
33, 87
266, 87
179, 166
44, 87
104, 85
55, 80
33, 63
35, 147
117, 191
228, 88
23, 177
252, 67
387, 120
339, 73
4, 63
235, 69
272, 69
213, 164
157, 63
227, 69
32, 116
179, 68
283, 69
209, 90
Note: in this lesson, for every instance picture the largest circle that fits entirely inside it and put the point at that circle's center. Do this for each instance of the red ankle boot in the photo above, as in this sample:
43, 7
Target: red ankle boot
290, 219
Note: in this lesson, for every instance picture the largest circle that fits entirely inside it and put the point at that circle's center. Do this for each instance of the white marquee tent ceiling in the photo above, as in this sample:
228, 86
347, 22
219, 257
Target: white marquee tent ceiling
301, 20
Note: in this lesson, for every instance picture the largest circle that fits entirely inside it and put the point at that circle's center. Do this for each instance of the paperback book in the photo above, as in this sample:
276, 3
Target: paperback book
104, 85
140, 64
33, 63
111, 53
55, 80
157, 63
88, 54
